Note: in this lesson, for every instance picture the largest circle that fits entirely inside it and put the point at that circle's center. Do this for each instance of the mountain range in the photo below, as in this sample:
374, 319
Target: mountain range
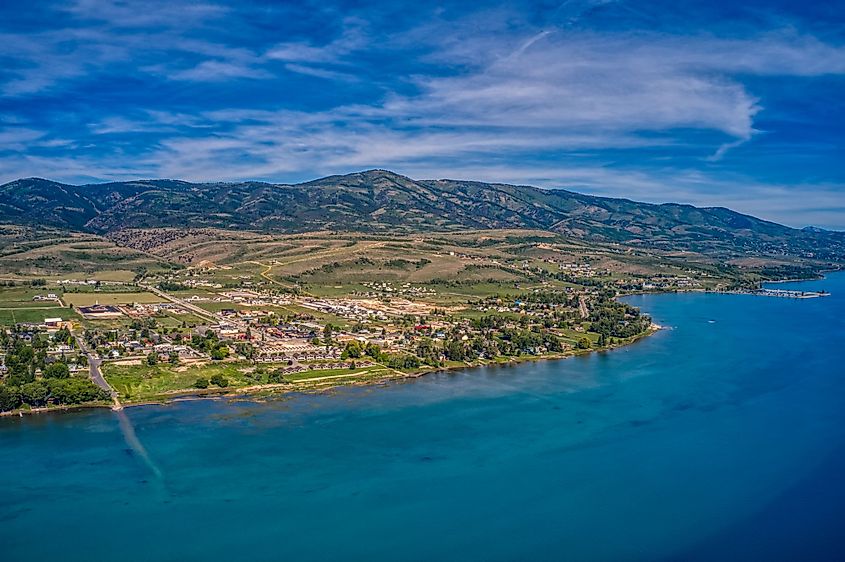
383, 201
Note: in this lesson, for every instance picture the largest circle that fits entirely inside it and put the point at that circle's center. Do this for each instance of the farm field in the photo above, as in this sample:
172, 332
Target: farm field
13, 315
89, 299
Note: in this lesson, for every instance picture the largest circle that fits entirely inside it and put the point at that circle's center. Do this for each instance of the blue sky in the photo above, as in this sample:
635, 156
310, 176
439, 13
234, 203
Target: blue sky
736, 104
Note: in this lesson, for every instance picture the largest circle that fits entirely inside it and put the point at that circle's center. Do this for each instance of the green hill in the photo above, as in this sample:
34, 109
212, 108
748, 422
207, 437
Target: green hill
382, 201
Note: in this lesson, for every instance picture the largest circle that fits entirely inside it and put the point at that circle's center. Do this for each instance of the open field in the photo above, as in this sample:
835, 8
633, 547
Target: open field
22, 297
138, 382
450, 266
88, 299
10, 316
143, 382
28, 252
16, 305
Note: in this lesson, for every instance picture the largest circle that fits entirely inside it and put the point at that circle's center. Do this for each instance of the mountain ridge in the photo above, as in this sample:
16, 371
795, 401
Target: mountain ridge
383, 201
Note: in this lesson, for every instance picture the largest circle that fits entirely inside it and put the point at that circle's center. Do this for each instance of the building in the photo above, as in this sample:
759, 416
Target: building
99, 312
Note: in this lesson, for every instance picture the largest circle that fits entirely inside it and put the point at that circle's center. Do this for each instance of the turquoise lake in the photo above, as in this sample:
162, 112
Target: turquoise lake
719, 438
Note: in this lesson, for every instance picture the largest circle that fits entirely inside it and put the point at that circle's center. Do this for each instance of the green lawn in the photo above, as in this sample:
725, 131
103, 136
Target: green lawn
11, 316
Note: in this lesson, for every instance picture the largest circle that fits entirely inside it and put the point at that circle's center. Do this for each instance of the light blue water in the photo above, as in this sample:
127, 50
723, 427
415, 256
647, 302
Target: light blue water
720, 438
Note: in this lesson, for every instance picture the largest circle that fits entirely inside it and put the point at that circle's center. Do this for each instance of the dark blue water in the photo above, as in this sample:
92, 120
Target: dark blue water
721, 438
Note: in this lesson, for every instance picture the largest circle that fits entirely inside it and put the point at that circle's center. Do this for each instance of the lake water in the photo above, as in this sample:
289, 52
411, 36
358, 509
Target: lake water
720, 438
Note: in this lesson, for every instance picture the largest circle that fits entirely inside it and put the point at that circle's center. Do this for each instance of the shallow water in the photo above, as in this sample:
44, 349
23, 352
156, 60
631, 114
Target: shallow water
722, 437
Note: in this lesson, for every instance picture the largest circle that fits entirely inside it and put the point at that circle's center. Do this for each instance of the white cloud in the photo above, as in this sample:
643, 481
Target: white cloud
215, 70
485, 98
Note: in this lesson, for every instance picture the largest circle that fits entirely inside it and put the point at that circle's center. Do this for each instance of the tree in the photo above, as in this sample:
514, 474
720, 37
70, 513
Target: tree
152, 359
219, 380
247, 350
454, 350
219, 353
173, 358
75, 391
62, 336
20, 375
584, 343
35, 393
201, 383
372, 350
9, 398
57, 370
353, 350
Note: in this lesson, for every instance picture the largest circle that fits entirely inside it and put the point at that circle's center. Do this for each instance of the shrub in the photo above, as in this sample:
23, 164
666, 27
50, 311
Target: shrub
201, 383
219, 380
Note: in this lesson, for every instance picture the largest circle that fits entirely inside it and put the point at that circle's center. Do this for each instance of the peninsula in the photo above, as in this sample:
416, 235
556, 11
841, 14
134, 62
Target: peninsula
153, 290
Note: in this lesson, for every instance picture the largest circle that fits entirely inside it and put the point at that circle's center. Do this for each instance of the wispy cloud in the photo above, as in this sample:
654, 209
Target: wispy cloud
513, 93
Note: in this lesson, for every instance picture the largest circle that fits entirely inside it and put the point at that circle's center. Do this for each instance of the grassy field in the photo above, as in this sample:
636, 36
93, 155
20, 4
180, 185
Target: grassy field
22, 296
27, 252
457, 266
88, 299
145, 382
139, 382
16, 305
10, 316
172, 320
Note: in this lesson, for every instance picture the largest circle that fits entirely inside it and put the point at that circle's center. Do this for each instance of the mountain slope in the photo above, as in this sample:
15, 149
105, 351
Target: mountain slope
382, 201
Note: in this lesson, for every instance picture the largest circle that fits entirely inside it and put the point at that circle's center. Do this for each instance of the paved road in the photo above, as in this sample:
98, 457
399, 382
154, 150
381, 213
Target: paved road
96, 375
201, 312
582, 307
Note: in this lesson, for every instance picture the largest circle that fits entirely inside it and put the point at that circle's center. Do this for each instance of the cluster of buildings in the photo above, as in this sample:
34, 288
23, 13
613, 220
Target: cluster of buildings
199, 283
350, 310
578, 269
669, 283
387, 288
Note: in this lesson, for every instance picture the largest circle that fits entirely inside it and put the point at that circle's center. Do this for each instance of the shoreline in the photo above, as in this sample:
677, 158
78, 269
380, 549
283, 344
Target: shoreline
254, 392
257, 391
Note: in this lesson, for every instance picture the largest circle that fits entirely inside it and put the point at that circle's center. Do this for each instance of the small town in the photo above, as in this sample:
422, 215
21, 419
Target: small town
167, 337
